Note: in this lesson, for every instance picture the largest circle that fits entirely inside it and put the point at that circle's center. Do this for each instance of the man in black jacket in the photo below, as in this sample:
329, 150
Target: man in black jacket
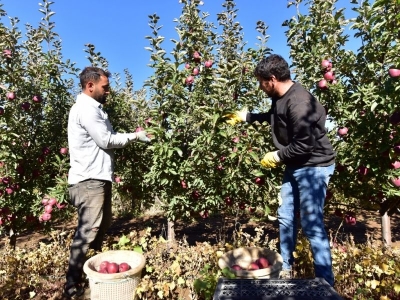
297, 121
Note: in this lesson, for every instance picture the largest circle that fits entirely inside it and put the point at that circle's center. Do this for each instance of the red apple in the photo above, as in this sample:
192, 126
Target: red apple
46, 150
9, 190
189, 80
37, 98
10, 96
396, 181
236, 267
395, 164
52, 201
6, 180
117, 179
112, 268
187, 66
60, 205
196, 56
196, 194
183, 184
41, 159
325, 64
195, 71
329, 76
260, 180
253, 266
262, 262
362, 170
204, 215
228, 201
7, 53
1, 111
48, 209
123, 267
103, 265
103, 271
394, 73
235, 139
45, 201
342, 131
208, 64
139, 129
242, 205
64, 151
46, 216
323, 84
350, 219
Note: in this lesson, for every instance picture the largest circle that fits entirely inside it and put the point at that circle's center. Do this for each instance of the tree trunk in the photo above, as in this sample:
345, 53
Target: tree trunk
171, 234
386, 233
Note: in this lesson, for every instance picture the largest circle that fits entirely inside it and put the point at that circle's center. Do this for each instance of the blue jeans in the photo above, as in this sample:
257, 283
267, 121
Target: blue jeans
304, 190
92, 198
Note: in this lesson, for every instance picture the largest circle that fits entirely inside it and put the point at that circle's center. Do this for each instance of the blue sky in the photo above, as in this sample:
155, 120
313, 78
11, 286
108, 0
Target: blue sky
118, 28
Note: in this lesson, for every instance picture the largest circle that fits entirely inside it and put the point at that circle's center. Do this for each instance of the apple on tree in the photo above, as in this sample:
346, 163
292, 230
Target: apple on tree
342, 131
10, 96
394, 72
64, 151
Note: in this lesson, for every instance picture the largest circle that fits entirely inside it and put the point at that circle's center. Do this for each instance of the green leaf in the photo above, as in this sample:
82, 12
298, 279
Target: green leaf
123, 240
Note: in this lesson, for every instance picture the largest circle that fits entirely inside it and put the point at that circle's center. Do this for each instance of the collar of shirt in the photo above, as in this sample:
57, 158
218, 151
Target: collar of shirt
87, 100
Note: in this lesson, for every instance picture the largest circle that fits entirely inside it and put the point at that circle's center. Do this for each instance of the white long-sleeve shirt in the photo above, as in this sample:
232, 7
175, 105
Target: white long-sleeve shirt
91, 140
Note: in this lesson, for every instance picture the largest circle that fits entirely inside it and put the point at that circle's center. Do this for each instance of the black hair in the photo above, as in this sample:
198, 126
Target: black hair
273, 65
92, 74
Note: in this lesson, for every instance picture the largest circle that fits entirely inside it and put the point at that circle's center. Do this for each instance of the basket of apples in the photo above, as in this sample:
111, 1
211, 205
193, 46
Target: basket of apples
252, 262
114, 274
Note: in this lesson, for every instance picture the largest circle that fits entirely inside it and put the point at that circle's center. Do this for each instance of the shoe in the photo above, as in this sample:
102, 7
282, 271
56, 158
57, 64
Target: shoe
72, 290
286, 274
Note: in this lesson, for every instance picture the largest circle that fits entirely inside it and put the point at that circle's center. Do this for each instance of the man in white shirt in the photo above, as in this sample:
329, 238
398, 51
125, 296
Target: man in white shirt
91, 141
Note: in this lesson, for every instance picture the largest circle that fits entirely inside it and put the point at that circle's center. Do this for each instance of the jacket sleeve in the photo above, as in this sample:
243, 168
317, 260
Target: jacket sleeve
261, 117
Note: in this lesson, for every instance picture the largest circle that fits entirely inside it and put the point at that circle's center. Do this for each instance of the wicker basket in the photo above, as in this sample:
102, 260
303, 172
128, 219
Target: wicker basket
121, 286
245, 255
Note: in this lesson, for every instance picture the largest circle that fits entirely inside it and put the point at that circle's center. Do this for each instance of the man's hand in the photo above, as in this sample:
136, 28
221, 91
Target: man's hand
271, 160
141, 136
236, 117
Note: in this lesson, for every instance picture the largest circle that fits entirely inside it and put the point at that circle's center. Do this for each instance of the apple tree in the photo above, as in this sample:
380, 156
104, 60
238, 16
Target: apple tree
200, 164
36, 88
350, 64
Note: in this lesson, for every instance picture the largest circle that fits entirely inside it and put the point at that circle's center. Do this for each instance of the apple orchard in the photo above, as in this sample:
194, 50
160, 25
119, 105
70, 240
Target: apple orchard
197, 165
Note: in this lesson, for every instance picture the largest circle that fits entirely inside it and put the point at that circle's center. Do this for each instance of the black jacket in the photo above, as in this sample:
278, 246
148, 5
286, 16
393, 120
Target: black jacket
298, 128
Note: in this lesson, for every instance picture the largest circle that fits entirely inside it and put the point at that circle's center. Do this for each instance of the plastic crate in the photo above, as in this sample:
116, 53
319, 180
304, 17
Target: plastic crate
121, 286
275, 289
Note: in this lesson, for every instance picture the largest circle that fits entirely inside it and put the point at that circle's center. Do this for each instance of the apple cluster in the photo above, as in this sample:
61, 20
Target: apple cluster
260, 263
112, 267
25, 106
49, 204
329, 75
195, 70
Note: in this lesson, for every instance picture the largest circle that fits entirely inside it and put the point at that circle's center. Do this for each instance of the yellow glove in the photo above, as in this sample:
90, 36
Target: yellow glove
236, 117
271, 160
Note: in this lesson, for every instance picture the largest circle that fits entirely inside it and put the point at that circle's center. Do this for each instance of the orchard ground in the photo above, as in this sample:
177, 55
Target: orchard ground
218, 228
